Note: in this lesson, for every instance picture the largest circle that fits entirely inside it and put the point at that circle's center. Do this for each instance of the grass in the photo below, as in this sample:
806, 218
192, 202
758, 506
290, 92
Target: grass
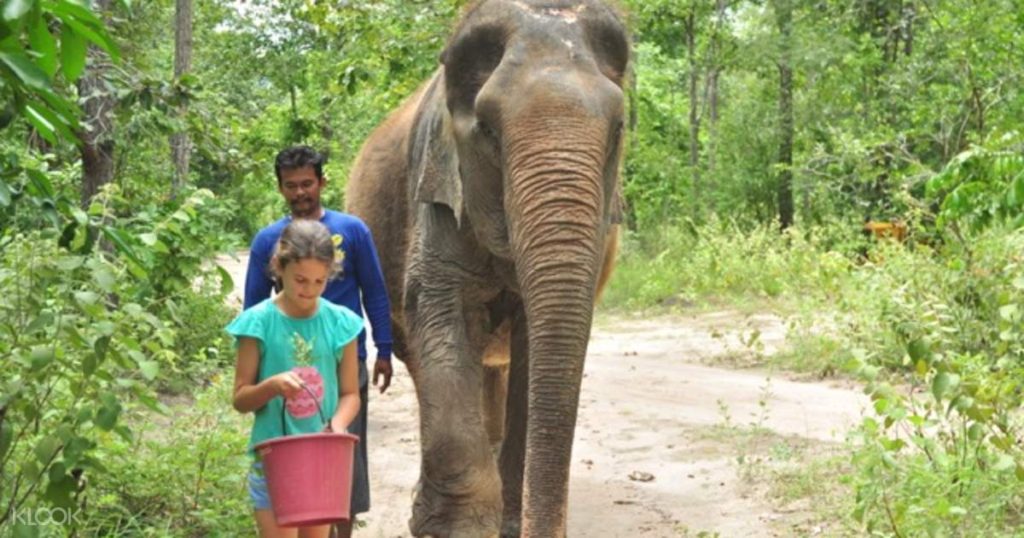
802, 480
718, 264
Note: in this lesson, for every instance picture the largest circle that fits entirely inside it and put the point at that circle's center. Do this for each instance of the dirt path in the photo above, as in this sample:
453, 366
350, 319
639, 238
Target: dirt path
655, 452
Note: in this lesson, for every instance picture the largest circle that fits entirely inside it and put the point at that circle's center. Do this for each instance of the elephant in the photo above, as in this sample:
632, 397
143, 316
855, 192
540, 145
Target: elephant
493, 194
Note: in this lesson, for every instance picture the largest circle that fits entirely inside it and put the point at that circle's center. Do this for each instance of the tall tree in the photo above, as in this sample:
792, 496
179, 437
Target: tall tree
180, 144
784, 22
715, 65
97, 149
690, 32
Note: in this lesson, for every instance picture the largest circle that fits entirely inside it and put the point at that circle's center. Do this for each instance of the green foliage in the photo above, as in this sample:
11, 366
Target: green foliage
943, 458
690, 263
168, 247
982, 186
182, 474
90, 332
169, 241
76, 354
29, 60
902, 111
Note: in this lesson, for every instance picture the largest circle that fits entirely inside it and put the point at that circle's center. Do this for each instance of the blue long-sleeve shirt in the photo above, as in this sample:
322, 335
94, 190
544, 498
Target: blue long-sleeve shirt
360, 286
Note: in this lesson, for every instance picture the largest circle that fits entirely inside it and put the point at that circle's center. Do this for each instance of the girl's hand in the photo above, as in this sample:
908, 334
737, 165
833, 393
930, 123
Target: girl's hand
336, 426
286, 384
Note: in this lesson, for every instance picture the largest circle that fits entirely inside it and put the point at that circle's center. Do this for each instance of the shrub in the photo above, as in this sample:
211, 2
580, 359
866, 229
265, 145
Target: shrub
183, 473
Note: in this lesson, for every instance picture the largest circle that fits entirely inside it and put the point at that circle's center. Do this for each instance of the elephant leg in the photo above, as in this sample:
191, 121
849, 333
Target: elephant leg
400, 348
494, 397
513, 449
459, 491
496, 382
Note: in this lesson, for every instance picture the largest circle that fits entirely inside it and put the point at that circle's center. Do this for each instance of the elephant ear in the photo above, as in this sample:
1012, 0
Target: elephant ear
435, 159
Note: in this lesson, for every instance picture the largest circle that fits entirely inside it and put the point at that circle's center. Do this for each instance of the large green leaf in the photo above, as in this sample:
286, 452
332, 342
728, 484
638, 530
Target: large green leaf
919, 351
44, 44
106, 416
60, 488
46, 448
226, 282
97, 37
73, 10
39, 112
25, 69
118, 238
43, 126
42, 356
72, 53
149, 369
942, 383
66, 111
40, 183
104, 277
1017, 189
43, 321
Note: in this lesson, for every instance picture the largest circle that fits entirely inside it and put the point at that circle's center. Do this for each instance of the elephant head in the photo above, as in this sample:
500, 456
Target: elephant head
529, 104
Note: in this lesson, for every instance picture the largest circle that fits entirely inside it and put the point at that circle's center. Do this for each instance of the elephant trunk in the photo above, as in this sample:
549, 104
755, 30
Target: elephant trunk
555, 198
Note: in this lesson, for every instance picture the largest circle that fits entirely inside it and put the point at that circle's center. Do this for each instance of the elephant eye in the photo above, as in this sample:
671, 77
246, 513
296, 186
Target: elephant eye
490, 146
485, 129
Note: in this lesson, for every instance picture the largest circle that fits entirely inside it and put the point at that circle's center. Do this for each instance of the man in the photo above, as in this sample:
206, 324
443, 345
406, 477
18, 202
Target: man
300, 180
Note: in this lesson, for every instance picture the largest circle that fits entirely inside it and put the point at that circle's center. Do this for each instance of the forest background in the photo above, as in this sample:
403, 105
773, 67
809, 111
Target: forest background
136, 143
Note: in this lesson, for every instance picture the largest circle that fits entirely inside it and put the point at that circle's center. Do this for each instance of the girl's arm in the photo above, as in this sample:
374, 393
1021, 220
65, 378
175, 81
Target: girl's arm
249, 395
348, 388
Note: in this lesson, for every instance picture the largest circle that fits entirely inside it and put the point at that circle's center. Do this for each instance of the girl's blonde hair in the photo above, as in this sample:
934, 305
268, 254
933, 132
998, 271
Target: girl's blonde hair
305, 239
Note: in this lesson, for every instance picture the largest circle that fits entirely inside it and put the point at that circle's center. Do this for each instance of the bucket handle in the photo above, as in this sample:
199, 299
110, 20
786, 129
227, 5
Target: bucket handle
319, 410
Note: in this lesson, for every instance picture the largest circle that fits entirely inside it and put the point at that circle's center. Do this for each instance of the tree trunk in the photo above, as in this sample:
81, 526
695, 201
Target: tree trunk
784, 19
691, 47
909, 14
712, 81
97, 149
712, 97
181, 146
292, 98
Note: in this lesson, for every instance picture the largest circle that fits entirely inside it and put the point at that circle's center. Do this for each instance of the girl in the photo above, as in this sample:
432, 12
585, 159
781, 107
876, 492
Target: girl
267, 336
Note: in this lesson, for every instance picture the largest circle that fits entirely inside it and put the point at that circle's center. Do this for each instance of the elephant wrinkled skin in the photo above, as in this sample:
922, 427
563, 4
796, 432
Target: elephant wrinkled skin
493, 196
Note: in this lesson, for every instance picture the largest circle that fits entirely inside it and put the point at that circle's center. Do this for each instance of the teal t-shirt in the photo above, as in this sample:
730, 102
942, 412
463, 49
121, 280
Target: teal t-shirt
327, 332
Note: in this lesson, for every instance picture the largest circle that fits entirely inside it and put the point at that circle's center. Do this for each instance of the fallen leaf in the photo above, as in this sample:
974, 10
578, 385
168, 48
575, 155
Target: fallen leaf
641, 476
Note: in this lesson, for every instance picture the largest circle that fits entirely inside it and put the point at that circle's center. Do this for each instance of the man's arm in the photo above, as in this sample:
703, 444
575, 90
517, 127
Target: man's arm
370, 279
257, 279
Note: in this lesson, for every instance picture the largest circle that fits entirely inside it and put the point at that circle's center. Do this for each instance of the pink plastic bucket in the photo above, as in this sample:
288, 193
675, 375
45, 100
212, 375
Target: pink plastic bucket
309, 477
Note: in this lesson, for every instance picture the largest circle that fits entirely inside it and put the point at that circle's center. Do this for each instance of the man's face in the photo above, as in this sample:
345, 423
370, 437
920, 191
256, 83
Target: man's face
301, 189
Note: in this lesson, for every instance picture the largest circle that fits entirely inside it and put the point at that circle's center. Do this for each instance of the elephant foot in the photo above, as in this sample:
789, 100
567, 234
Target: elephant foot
444, 516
